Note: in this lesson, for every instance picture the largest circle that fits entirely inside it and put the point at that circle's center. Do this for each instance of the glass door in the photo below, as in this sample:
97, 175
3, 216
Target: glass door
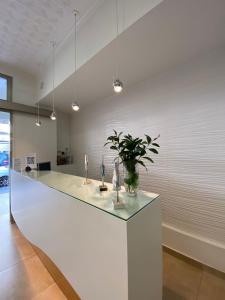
4, 161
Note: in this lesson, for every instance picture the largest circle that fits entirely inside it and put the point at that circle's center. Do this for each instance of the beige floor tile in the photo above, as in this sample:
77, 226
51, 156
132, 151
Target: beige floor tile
212, 286
4, 201
25, 280
181, 279
7, 230
14, 250
172, 295
51, 293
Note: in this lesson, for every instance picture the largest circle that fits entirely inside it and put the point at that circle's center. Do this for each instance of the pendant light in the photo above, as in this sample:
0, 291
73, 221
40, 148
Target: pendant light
75, 105
117, 83
38, 122
117, 86
53, 114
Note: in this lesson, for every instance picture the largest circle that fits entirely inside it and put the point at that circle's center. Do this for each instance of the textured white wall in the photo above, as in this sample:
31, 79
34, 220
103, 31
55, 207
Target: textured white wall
186, 106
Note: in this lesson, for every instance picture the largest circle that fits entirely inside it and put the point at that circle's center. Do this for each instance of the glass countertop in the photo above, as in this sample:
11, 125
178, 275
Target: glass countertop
74, 186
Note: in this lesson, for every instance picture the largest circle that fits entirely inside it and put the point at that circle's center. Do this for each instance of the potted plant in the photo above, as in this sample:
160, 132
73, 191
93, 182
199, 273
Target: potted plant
132, 152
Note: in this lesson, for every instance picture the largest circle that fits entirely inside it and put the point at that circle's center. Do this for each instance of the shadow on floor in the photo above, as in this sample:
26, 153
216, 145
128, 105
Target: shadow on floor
171, 295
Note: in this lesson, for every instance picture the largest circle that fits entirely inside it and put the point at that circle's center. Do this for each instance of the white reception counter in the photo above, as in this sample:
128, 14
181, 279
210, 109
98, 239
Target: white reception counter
105, 254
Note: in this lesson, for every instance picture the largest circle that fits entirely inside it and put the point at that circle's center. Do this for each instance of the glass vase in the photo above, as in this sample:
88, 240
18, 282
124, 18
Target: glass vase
131, 177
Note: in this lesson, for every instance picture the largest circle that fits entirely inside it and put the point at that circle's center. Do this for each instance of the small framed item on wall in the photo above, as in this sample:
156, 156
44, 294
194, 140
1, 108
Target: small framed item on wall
17, 164
31, 161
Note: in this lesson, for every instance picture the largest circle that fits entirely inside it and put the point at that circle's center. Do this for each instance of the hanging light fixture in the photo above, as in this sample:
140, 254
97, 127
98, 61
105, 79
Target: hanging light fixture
117, 86
53, 114
38, 122
117, 83
75, 105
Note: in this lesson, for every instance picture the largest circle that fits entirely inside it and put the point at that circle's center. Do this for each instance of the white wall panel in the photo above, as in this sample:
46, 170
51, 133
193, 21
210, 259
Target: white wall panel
187, 107
24, 85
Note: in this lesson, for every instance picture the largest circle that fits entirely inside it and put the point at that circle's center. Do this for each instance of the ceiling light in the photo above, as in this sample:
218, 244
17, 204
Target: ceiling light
38, 122
53, 116
75, 106
117, 86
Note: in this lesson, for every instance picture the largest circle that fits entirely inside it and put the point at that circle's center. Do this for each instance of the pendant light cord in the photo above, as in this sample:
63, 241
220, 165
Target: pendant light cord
117, 38
117, 19
53, 76
38, 111
75, 40
75, 52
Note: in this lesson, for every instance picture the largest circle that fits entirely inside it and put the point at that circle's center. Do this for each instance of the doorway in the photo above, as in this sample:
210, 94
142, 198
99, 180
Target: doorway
4, 161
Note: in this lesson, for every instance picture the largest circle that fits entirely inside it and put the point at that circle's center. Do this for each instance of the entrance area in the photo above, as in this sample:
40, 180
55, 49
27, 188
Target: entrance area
4, 161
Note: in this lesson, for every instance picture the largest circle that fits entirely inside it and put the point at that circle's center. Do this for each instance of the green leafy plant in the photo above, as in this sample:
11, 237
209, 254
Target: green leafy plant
132, 151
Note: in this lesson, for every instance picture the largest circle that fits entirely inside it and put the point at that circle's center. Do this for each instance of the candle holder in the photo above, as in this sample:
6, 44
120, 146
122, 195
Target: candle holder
102, 187
86, 181
117, 203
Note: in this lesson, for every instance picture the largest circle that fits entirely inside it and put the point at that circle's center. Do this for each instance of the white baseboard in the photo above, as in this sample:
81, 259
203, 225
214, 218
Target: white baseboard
205, 251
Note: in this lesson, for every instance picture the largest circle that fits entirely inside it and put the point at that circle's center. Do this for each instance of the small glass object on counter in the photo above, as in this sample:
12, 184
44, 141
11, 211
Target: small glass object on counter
86, 181
117, 203
102, 187
116, 177
131, 177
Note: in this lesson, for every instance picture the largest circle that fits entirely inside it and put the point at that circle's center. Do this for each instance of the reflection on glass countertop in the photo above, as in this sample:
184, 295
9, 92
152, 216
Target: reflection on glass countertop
90, 194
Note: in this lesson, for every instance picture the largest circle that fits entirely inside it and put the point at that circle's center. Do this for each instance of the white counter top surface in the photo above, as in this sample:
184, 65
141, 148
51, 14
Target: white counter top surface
90, 194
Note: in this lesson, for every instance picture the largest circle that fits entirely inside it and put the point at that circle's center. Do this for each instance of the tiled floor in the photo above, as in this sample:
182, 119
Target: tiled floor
187, 280
23, 276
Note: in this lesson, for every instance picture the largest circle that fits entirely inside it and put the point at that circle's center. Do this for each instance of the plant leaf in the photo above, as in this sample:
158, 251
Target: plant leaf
141, 163
148, 158
148, 139
153, 150
155, 144
113, 147
156, 138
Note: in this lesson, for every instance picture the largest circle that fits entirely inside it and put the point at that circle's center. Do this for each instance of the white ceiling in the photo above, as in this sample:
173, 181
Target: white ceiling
28, 26
170, 34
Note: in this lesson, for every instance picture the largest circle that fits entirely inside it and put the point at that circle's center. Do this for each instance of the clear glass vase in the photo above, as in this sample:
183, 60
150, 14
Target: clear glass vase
131, 177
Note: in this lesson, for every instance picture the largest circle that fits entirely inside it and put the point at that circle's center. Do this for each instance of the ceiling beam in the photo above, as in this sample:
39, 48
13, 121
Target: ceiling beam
22, 108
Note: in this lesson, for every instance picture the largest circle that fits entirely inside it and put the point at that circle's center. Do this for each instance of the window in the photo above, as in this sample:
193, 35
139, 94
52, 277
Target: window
5, 87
